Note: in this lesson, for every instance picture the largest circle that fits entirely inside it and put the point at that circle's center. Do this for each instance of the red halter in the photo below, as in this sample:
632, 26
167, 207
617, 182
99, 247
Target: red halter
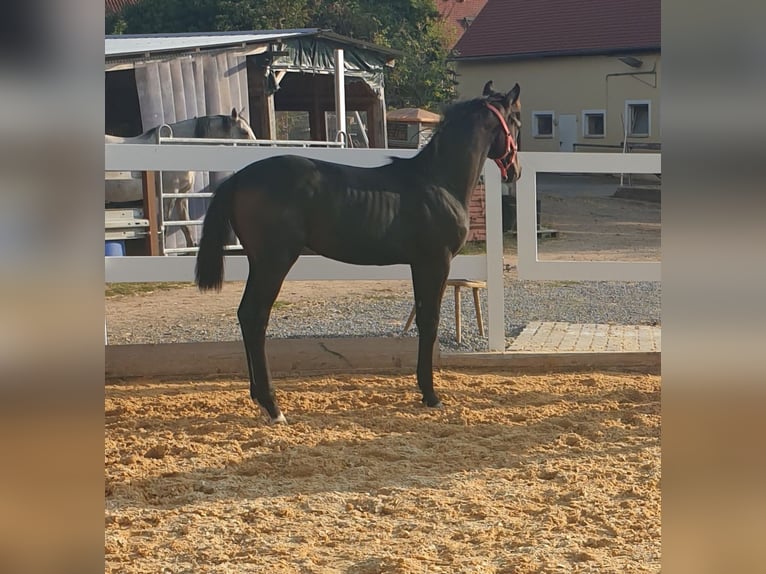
510, 145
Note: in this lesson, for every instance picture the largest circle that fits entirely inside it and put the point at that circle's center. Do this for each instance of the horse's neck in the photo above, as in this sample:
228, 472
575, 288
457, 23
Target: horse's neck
455, 163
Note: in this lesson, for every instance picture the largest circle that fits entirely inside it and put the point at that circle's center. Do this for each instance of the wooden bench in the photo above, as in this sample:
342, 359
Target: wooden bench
457, 284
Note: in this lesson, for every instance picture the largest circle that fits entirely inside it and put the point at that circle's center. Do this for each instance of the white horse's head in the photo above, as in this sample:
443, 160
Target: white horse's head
235, 127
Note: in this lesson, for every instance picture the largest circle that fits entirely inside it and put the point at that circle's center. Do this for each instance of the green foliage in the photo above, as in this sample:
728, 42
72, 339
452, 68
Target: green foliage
421, 77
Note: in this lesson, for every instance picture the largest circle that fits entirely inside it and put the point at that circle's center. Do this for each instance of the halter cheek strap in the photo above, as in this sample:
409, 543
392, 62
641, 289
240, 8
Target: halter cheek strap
510, 145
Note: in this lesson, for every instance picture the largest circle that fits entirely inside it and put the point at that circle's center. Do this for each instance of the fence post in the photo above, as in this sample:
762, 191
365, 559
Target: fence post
494, 259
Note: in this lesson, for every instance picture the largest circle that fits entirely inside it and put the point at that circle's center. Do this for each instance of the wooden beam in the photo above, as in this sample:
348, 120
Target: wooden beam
262, 116
148, 179
286, 357
293, 357
535, 363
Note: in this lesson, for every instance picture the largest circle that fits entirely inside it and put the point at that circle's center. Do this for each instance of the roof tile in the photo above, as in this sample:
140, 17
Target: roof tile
558, 27
455, 12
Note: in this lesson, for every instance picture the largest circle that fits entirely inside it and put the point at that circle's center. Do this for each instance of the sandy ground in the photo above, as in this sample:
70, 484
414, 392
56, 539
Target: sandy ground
520, 474
598, 228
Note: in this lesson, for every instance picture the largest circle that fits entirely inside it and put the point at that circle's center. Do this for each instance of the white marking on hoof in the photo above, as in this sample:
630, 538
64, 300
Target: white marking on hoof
280, 420
438, 405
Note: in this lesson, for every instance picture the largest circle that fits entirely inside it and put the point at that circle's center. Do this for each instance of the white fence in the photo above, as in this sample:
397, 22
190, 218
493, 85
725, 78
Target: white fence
489, 267
530, 267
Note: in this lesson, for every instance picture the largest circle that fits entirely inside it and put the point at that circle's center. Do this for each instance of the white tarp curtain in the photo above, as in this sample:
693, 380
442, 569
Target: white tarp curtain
186, 87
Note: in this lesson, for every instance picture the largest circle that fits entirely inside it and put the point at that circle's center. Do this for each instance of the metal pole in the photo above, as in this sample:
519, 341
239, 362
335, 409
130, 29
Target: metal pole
340, 94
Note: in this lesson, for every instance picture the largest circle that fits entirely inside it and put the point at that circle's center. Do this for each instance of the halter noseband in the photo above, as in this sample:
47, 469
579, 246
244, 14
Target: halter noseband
510, 145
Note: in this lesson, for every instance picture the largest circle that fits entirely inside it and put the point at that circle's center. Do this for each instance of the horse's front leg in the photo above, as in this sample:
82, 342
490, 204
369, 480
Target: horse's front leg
428, 282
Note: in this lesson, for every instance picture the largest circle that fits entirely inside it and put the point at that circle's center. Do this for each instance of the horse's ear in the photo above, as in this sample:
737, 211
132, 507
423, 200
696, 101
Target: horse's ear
488, 91
513, 96
234, 113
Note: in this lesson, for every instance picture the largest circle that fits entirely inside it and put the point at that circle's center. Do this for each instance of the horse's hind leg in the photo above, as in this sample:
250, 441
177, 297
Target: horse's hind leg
183, 213
263, 285
428, 282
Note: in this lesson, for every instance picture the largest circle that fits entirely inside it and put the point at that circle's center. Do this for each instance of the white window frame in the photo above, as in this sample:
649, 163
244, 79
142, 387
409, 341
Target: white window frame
585, 114
537, 134
628, 104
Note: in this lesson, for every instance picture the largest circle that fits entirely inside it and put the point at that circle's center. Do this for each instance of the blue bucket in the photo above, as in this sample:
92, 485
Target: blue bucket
114, 248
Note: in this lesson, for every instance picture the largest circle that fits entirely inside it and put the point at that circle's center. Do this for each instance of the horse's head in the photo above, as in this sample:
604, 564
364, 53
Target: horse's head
237, 127
506, 109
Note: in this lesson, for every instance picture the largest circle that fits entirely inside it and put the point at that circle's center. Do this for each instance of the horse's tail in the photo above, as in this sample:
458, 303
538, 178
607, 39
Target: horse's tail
215, 232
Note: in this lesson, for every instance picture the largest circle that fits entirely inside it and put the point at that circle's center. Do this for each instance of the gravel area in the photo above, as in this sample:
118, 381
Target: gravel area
616, 303
183, 315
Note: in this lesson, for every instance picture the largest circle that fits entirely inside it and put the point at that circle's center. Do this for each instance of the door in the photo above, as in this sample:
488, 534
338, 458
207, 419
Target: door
567, 132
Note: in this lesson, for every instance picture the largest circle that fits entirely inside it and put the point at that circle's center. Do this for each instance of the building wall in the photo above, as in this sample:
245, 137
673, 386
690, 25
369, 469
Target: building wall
569, 86
477, 214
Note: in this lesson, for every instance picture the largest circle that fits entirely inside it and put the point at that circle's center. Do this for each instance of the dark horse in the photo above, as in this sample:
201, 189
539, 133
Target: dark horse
411, 211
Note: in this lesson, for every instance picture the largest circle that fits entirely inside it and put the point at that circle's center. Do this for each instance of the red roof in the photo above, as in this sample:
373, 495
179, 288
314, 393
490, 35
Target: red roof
459, 13
528, 28
115, 6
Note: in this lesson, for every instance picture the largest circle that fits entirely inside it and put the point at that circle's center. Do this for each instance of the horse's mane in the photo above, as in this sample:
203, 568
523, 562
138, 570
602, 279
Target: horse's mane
455, 109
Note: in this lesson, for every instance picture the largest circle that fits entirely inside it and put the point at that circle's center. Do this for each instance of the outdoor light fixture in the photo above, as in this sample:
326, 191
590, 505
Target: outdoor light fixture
631, 61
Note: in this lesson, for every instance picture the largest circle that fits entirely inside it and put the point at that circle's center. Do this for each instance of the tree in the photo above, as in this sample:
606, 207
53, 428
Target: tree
421, 78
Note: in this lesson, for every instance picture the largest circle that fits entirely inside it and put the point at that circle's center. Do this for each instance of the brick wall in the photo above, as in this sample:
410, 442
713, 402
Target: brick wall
477, 215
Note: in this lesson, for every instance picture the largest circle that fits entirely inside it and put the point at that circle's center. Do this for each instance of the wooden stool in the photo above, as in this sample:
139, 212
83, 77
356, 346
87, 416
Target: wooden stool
457, 284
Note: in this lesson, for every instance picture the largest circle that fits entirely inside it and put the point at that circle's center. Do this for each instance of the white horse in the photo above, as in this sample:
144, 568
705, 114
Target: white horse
223, 126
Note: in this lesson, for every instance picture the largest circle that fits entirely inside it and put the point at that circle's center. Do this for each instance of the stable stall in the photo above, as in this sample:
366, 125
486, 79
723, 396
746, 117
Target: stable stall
284, 82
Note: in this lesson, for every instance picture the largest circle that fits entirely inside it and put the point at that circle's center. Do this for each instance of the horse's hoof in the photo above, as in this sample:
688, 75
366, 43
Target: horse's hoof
277, 420
437, 405
280, 420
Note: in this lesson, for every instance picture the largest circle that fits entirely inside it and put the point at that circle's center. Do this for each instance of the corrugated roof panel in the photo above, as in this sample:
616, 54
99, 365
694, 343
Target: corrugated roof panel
125, 45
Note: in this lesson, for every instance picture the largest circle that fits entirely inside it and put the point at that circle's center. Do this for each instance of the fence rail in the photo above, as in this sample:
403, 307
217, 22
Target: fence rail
488, 267
530, 267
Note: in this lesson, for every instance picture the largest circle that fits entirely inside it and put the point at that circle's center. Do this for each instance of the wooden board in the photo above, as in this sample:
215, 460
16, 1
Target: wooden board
348, 355
286, 357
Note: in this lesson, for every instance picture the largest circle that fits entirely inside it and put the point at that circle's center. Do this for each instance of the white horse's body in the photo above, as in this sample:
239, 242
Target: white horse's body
218, 126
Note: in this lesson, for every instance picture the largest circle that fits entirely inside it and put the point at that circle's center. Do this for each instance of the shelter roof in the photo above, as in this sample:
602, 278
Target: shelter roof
524, 29
127, 45
413, 115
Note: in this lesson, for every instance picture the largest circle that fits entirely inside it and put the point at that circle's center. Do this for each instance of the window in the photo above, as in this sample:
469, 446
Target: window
397, 131
292, 125
542, 124
593, 123
638, 117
